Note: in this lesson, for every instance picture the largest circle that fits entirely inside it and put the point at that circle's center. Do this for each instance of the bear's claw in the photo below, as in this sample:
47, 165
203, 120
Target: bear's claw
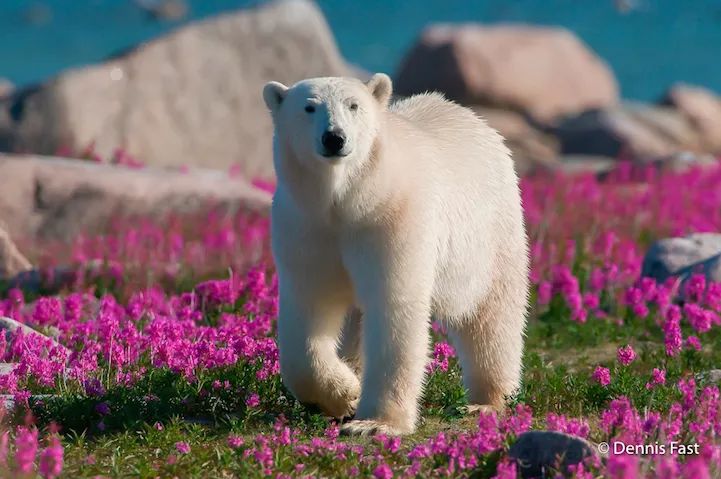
369, 427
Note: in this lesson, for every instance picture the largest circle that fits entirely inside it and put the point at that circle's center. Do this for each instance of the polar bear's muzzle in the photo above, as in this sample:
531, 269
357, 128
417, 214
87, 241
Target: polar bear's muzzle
334, 142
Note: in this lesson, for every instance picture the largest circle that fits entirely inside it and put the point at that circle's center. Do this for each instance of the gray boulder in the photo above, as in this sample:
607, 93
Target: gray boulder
192, 97
12, 261
9, 325
538, 452
168, 10
645, 132
712, 376
6, 87
541, 71
60, 198
702, 107
681, 257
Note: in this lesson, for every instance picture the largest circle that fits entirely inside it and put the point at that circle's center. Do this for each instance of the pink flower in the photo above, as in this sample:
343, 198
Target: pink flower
693, 343
253, 400
51, 459
234, 441
672, 330
26, 447
626, 355
602, 376
182, 447
506, 470
442, 352
591, 301
519, 421
658, 377
544, 293
383, 471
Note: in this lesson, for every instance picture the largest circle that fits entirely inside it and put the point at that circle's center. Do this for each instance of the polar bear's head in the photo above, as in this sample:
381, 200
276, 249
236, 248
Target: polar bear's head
328, 120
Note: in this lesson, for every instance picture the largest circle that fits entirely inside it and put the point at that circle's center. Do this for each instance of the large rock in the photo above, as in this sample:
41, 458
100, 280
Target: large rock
59, 198
546, 72
635, 129
681, 257
703, 109
192, 97
12, 261
170, 10
532, 149
538, 453
9, 326
6, 87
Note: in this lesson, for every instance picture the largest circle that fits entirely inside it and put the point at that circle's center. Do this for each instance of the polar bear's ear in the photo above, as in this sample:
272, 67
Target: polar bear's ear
274, 94
381, 87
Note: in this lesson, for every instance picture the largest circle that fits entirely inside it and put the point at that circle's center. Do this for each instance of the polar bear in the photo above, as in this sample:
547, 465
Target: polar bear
407, 210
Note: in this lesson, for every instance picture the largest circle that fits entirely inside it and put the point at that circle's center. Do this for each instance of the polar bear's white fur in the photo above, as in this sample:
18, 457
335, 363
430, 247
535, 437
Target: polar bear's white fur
412, 212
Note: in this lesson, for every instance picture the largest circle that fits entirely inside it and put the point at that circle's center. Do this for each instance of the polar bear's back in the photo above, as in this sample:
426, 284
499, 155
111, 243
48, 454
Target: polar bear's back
468, 175
450, 124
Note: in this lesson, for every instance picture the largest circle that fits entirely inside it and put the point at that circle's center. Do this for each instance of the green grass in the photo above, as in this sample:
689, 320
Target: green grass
560, 357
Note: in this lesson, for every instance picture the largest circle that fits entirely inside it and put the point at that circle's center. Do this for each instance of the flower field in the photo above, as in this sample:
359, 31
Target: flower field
159, 358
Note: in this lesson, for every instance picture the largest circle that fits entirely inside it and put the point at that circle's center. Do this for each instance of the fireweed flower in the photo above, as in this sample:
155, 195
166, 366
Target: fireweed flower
602, 376
182, 447
26, 448
234, 442
506, 470
626, 355
658, 377
51, 459
383, 471
442, 352
692, 342
695, 288
672, 330
544, 293
253, 400
576, 427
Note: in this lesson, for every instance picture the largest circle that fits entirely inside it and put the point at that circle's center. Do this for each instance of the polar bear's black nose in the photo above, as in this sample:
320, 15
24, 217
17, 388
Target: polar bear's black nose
333, 141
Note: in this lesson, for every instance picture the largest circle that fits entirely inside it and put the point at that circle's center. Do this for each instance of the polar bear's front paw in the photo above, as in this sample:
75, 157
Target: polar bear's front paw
341, 401
481, 409
371, 427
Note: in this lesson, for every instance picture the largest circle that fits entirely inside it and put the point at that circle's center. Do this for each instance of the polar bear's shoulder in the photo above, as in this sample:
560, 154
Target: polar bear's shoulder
433, 113
431, 106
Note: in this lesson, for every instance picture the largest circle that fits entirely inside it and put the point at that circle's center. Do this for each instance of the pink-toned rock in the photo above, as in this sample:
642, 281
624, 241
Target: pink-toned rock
12, 260
6, 87
703, 109
170, 10
532, 149
643, 132
191, 97
60, 198
545, 72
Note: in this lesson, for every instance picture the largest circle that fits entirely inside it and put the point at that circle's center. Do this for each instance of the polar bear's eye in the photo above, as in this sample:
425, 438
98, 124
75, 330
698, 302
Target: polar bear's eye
353, 106
309, 108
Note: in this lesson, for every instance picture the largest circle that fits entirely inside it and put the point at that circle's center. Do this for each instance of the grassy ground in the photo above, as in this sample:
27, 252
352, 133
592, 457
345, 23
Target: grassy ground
171, 377
141, 440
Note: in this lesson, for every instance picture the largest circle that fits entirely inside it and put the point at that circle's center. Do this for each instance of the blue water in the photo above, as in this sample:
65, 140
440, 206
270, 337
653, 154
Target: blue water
655, 44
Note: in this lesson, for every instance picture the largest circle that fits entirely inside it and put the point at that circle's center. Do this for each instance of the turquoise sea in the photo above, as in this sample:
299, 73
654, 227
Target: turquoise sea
649, 43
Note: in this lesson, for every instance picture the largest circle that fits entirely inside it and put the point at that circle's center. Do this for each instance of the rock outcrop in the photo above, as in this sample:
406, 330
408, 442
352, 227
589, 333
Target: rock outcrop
12, 261
192, 97
681, 257
632, 129
540, 452
702, 108
59, 198
543, 72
